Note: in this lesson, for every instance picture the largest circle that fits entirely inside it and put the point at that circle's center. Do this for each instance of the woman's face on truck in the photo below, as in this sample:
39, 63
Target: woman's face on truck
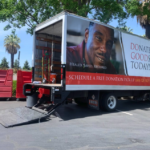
99, 41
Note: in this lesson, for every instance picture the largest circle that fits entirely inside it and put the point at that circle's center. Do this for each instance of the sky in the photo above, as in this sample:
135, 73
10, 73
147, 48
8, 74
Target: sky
27, 40
25, 44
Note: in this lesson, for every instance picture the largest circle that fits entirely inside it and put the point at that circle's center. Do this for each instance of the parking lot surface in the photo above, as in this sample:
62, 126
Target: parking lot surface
73, 127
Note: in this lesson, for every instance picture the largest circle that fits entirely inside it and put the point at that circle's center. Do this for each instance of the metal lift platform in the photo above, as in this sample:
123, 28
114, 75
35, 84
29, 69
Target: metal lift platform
23, 115
19, 116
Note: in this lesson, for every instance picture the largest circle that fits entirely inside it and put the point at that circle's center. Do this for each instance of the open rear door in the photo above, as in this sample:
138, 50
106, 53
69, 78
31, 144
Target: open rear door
48, 53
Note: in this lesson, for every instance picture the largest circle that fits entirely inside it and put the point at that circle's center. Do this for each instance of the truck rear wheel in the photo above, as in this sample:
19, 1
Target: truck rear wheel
108, 102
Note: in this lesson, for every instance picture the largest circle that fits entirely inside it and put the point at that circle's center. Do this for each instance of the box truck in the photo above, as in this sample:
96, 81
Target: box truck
94, 63
88, 61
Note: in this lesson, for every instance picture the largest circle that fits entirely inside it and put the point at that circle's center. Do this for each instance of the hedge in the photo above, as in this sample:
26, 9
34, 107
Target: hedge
14, 88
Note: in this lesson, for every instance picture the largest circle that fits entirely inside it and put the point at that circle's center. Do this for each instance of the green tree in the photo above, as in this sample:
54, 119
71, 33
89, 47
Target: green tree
144, 35
16, 64
107, 10
32, 12
4, 63
11, 43
26, 66
141, 9
127, 29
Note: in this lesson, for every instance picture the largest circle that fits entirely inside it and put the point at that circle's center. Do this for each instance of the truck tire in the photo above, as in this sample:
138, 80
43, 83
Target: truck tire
108, 102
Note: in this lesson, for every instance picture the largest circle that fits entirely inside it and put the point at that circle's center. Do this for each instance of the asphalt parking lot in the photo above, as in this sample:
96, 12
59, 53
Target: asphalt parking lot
73, 127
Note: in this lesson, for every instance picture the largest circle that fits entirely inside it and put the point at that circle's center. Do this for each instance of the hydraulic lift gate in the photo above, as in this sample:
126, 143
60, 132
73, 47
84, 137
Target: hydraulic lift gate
19, 116
24, 115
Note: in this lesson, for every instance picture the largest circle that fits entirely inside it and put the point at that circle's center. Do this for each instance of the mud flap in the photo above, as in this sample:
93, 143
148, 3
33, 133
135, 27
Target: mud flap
93, 99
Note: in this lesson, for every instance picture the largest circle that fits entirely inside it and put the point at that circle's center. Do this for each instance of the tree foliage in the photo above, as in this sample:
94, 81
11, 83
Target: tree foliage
4, 63
138, 7
11, 43
26, 66
141, 9
144, 36
107, 10
32, 12
16, 64
127, 29
27, 12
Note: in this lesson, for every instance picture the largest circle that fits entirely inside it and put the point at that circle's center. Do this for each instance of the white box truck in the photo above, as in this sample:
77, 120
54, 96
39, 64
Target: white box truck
88, 61
94, 62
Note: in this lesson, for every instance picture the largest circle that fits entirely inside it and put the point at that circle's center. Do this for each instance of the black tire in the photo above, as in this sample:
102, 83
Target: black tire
108, 102
81, 101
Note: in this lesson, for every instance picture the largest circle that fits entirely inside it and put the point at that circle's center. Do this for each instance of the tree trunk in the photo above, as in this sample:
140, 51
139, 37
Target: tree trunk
147, 31
12, 60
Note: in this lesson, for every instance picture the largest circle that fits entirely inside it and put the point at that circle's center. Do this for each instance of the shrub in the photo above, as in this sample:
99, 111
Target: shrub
3, 68
15, 70
14, 88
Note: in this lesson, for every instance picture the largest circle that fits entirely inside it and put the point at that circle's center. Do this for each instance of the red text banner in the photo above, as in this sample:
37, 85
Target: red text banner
84, 78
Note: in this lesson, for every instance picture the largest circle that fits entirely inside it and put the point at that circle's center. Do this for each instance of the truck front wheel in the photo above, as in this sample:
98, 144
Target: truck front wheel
108, 102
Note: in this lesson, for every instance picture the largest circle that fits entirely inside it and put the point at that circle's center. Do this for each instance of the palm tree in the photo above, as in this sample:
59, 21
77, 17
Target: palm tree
127, 29
11, 43
144, 19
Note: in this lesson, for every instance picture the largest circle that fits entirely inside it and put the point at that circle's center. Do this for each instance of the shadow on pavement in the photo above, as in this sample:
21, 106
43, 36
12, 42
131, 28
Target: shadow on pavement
74, 111
128, 105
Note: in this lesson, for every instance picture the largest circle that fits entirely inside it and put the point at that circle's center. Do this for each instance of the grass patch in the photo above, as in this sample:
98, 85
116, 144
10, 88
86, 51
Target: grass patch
14, 88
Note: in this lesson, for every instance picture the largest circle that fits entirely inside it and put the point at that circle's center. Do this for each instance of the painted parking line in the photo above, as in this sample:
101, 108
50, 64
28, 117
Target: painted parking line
124, 112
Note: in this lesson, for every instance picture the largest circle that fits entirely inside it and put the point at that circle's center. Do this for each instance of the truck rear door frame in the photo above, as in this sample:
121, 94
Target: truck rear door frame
60, 17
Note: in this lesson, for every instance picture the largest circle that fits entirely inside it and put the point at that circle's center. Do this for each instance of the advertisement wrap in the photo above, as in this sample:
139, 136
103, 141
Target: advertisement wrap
100, 55
137, 55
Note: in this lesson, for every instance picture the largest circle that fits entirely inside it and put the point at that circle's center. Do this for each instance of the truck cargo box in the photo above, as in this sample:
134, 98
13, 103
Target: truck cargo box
96, 56
88, 61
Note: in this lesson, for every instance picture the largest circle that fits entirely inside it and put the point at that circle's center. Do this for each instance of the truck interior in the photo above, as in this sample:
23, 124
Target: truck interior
48, 53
